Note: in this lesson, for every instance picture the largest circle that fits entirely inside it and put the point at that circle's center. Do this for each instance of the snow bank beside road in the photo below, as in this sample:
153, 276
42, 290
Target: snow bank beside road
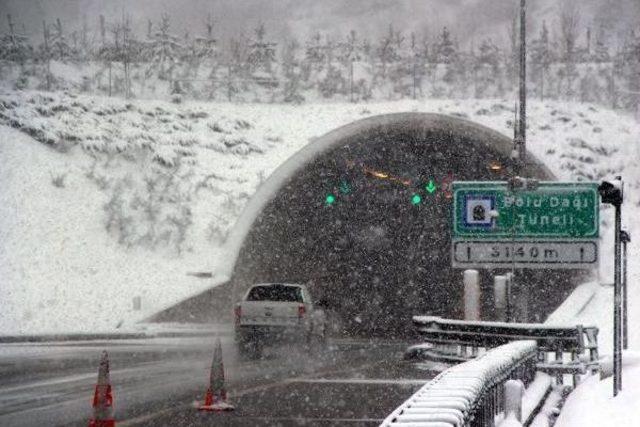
592, 402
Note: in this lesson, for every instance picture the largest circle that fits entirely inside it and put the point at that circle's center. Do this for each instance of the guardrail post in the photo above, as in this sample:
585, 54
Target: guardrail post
575, 359
513, 391
558, 360
500, 296
471, 281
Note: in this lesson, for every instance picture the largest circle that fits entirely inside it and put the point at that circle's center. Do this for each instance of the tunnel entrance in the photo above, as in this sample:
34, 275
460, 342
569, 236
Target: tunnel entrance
362, 216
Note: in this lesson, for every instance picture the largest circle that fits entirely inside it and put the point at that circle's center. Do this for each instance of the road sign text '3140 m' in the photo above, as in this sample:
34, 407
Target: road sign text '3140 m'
554, 226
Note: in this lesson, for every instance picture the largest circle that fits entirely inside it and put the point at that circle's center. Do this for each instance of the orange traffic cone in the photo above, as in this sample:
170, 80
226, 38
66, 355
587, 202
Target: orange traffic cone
215, 399
103, 397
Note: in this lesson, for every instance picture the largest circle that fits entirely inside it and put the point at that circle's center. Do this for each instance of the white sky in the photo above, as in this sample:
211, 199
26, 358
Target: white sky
303, 17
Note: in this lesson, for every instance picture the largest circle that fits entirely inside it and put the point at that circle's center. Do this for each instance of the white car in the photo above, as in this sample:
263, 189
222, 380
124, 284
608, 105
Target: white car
272, 313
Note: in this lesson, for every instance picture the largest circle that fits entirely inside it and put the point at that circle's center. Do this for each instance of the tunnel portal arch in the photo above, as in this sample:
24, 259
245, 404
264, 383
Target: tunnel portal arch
379, 249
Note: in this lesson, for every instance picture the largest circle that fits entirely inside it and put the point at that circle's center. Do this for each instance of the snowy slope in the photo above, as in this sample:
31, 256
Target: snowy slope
59, 270
151, 189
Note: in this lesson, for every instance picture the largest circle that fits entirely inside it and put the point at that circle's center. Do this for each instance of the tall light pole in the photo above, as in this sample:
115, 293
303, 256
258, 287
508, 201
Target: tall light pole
521, 140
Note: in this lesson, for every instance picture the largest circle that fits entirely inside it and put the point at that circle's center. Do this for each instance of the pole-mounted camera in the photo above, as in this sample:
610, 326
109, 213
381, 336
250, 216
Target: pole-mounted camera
611, 192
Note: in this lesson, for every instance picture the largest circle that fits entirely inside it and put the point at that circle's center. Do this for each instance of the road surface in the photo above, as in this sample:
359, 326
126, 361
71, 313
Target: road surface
156, 382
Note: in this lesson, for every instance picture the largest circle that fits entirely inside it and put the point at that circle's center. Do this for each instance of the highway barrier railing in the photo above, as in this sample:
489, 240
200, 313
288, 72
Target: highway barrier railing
562, 350
471, 393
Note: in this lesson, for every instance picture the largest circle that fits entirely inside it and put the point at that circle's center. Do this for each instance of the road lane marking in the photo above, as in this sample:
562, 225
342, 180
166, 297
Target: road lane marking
239, 393
308, 419
382, 381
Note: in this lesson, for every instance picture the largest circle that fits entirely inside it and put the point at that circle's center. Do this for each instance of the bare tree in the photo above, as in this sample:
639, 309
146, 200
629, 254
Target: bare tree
569, 27
47, 52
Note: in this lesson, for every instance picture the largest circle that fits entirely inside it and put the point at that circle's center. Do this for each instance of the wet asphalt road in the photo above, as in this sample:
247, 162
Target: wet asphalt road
156, 382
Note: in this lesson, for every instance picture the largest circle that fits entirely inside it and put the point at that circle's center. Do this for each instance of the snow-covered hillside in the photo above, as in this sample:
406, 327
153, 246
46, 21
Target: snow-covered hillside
121, 199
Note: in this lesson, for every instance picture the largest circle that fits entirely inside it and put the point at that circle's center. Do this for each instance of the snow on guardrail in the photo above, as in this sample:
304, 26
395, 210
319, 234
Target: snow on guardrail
466, 391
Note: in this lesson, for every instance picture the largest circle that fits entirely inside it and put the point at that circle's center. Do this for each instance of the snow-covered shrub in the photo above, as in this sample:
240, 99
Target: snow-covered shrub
151, 210
58, 179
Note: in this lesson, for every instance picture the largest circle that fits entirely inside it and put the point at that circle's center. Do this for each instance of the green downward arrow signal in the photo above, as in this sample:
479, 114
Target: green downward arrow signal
431, 186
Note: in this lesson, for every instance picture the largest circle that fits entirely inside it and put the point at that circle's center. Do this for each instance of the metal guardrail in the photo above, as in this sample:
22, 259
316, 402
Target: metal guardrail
562, 350
471, 393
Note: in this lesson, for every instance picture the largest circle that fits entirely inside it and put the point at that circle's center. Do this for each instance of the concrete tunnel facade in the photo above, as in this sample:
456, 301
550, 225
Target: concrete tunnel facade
362, 216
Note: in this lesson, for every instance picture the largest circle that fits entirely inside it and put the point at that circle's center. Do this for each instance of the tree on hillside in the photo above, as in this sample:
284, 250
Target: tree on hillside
164, 50
488, 69
388, 50
315, 51
627, 65
84, 48
419, 58
237, 66
291, 73
315, 59
205, 51
262, 53
348, 53
445, 49
44, 54
14, 46
207, 46
59, 45
601, 48
331, 79
569, 28
445, 53
541, 58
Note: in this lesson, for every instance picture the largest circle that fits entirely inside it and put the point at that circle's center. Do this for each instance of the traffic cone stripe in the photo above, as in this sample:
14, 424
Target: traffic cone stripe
103, 394
103, 397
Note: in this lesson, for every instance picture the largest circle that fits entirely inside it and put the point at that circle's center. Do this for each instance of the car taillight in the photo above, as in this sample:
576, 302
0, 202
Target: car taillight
237, 311
301, 310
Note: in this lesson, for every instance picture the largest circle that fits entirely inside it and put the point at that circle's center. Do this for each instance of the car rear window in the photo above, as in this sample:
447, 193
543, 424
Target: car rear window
275, 293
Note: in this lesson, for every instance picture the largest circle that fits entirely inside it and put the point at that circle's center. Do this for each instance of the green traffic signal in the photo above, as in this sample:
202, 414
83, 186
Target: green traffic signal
330, 199
416, 199
344, 187
431, 186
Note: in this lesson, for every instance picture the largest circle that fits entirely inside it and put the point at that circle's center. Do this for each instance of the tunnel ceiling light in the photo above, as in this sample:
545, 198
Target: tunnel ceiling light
386, 175
495, 166
330, 199
381, 175
400, 180
416, 199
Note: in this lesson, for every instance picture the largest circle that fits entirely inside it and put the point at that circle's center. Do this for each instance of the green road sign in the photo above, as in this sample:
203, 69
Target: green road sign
554, 226
490, 210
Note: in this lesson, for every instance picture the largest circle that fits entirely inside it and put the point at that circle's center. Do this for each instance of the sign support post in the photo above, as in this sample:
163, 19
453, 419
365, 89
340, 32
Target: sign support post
617, 299
626, 238
611, 193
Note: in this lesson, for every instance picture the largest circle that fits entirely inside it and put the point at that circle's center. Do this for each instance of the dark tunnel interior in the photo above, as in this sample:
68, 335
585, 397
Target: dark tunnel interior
367, 227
